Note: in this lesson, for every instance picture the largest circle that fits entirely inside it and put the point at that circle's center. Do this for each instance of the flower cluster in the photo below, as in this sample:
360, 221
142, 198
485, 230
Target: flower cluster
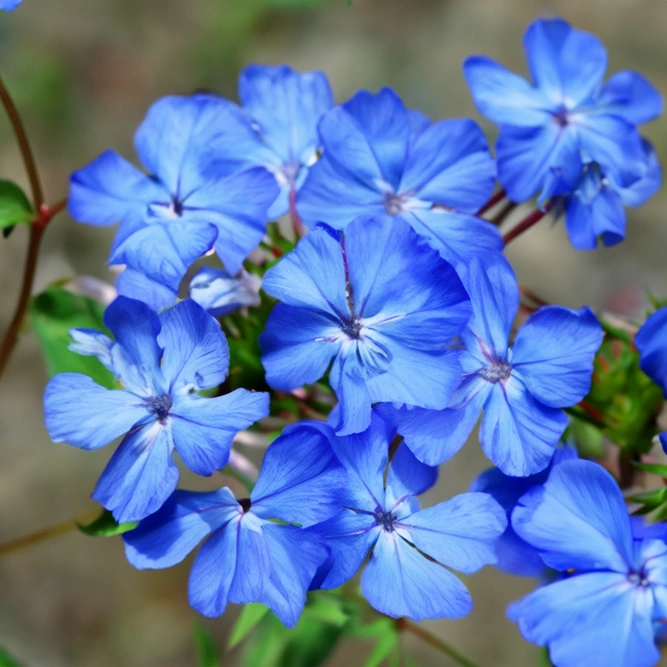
398, 303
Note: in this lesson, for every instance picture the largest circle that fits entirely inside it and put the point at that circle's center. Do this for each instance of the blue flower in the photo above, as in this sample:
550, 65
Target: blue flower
219, 293
377, 301
515, 555
281, 110
408, 546
176, 214
520, 389
595, 208
383, 160
614, 586
566, 117
160, 361
9, 5
249, 557
651, 341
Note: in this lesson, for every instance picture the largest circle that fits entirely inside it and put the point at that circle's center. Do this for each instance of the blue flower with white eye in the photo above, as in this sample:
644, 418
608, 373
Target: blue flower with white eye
384, 160
160, 362
515, 555
410, 549
220, 293
521, 389
9, 5
248, 556
278, 130
567, 117
378, 302
651, 341
614, 585
182, 208
594, 209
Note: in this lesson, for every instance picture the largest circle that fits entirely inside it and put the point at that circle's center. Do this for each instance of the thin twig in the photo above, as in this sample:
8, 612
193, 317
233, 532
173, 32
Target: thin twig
495, 199
526, 223
501, 216
458, 657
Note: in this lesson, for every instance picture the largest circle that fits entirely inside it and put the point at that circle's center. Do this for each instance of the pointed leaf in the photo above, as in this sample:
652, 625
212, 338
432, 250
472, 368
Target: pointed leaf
14, 206
207, 651
251, 615
105, 526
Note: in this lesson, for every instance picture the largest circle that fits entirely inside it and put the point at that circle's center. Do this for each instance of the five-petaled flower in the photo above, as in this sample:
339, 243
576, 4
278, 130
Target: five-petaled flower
161, 361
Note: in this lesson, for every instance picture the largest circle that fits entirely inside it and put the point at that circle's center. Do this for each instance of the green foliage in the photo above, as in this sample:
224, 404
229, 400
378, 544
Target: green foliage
328, 617
52, 314
6, 660
15, 208
106, 526
207, 651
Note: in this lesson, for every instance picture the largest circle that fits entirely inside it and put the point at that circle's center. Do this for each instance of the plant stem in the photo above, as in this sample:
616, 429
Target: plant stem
436, 642
45, 534
495, 199
526, 223
501, 216
24, 145
297, 223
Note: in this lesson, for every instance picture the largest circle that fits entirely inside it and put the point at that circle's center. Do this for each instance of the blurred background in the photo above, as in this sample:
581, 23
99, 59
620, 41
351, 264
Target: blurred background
83, 73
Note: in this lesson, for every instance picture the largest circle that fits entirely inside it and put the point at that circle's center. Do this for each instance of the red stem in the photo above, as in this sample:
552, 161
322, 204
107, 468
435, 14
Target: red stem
299, 228
495, 199
526, 223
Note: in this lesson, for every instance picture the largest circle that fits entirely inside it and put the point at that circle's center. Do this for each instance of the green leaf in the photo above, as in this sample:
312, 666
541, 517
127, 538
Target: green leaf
207, 651
251, 615
653, 468
543, 659
7, 660
327, 607
53, 313
387, 636
15, 208
106, 526
268, 643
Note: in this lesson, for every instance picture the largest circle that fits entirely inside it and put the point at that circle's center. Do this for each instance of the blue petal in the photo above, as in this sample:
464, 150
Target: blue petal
459, 533
349, 537
594, 210
613, 143
295, 556
9, 5
196, 354
253, 561
237, 205
81, 413
140, 476
650, 341
457, 237
297, 346
204, 428
503, 96
596, 618
174, 134
369, 136
168, 536
287, 106
333, 195
663, 441
164, 250
435, 436
220, 293
136, 357
398, 581
581, 500
519, 434
631, 96
316, 266
109, 188
408, 477
450, 164
648, 184
301, 480
553, 354
349, 382
494, 293
568, 65
92, 343
135, 285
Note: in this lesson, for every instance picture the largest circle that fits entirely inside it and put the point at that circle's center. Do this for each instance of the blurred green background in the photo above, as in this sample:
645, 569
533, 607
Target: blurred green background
83, 73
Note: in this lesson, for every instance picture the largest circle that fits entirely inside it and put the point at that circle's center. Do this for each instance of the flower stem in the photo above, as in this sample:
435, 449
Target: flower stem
501, 216
297, 223
526, 223
45, 534
495, 199
458, 657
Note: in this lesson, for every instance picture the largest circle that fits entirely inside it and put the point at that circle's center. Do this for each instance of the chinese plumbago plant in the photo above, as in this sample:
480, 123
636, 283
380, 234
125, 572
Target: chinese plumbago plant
357, 318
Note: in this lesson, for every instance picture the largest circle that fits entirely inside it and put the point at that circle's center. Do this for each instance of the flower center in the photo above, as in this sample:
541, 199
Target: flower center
352, 328
638, 578
160, 406
497, 371
393, 203
560, 117
385, 519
